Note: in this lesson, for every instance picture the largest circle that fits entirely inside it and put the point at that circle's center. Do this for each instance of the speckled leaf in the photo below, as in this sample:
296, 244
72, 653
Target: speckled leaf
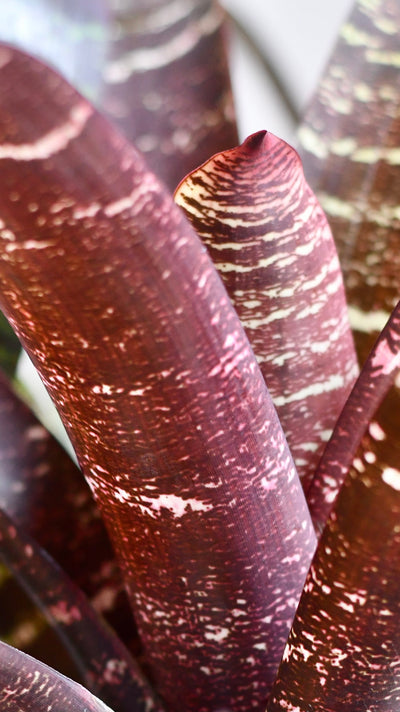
342, 653
270, 240
158, 70
45, 493
115, 298
27, 685
350, 149
376, 377
106, 667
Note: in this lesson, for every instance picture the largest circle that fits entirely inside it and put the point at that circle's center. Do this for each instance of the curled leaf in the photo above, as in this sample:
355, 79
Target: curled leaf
158, 70
45, 493
27, 685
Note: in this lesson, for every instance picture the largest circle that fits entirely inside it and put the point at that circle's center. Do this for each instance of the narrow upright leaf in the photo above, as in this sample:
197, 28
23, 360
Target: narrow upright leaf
115, 298
342, 653
376, 378
270, 240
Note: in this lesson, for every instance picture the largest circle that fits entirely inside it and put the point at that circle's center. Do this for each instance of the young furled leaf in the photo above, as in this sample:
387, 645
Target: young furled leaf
125, 317
270, 240
26, 685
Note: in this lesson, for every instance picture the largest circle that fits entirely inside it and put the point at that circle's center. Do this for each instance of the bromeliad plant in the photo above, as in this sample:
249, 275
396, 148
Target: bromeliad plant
208, 450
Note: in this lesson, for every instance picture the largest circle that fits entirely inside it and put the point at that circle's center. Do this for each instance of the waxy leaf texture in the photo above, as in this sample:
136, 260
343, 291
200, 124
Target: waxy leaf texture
376, 378
124, 315
159, 71
272, 245
27, 684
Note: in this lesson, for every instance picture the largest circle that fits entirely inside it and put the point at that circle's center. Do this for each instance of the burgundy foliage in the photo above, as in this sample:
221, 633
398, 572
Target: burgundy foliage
45, 493
349, 147
117, 301
376, 378
165, 405
342, 653
158, 70
261, 224
105, 665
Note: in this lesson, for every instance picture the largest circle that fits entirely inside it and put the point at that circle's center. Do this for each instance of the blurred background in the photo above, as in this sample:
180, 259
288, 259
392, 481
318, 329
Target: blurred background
285, 43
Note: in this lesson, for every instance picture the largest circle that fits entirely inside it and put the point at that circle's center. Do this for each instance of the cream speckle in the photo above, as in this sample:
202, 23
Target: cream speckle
392, 478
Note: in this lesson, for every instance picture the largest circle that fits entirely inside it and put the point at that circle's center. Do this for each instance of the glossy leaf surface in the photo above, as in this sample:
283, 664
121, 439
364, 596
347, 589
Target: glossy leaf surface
376, 378
27, 685
158, 70
342, 653
269, 238
106, 667
46, 494
125, 317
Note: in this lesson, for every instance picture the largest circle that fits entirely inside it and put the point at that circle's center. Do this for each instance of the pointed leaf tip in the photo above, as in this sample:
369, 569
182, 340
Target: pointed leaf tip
160, 390
268, 237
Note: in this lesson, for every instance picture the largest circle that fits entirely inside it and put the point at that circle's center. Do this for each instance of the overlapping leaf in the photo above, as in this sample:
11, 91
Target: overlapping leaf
27, 685
45, 493
106, 667
158, 70
342, 653
126, 319
269, 239
375, 379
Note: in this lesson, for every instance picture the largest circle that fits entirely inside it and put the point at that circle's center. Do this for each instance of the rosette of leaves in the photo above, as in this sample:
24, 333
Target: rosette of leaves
199, 354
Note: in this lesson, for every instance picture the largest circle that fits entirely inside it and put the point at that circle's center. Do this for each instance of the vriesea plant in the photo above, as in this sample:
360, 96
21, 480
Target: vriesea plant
199, 352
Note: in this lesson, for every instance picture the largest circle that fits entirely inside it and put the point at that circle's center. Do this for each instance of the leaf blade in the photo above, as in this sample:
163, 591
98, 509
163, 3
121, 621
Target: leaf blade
269, 239
189, 497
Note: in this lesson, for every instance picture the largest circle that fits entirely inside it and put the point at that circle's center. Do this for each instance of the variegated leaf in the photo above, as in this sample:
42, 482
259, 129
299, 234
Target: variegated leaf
125, 317
270, 240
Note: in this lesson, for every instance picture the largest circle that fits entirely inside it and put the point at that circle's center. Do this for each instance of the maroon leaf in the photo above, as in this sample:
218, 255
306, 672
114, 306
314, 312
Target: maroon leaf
350, 139
159, 71
342, 653
270, 241
45, 493
27, 685
126, 319
376, 378
107, 668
